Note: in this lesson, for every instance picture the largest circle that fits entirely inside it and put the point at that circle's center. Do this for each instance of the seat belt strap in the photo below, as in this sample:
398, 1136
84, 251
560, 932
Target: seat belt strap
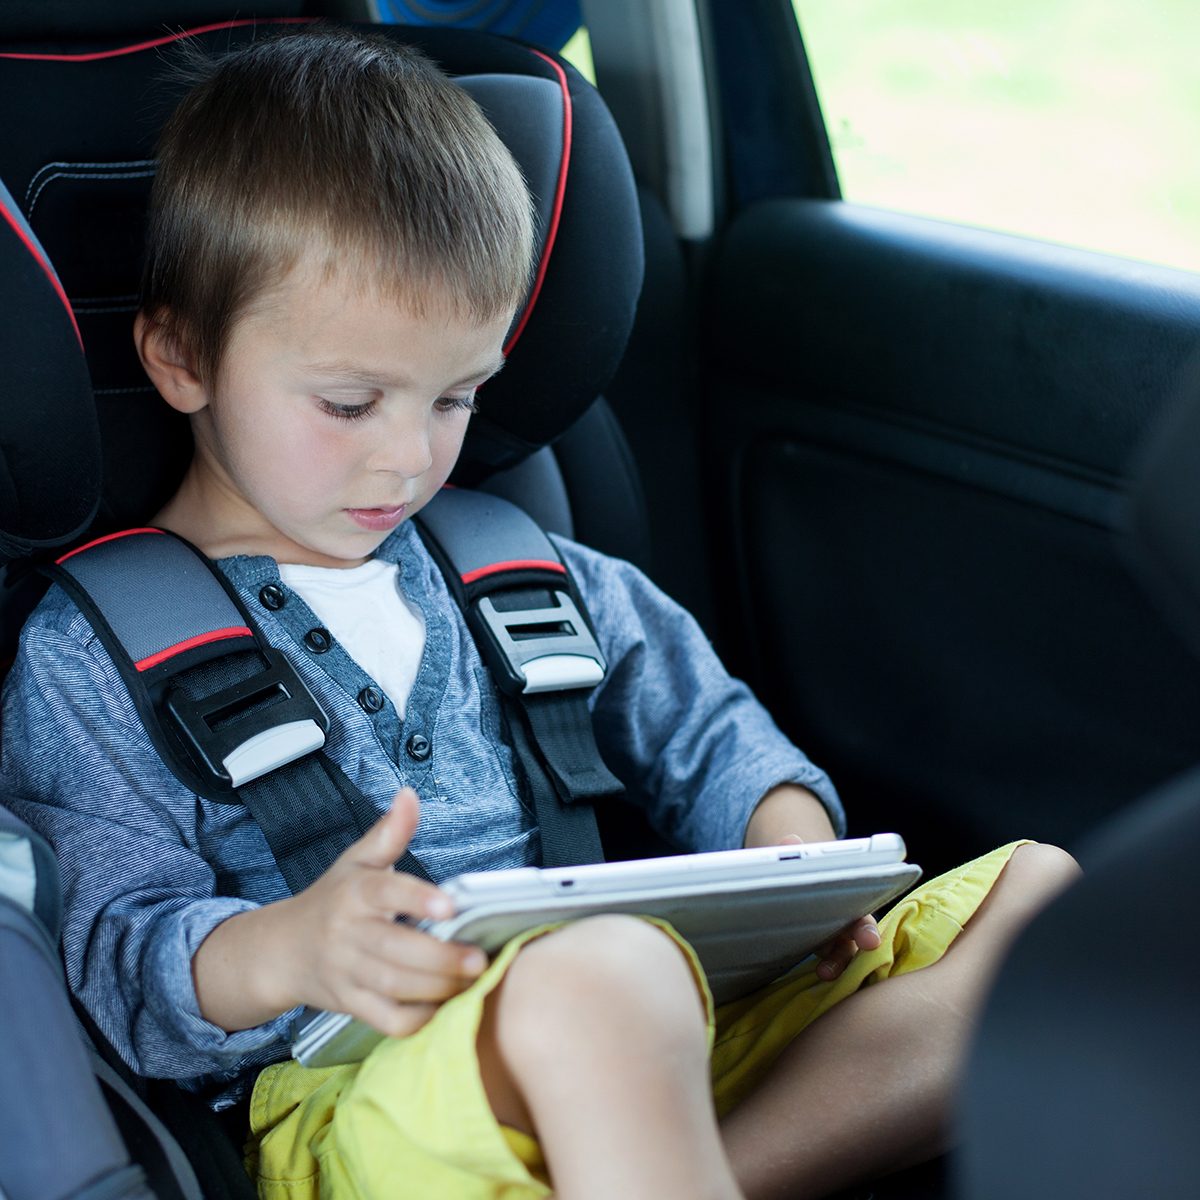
532, 629
569, 833
562, 728
227, 711
235, 723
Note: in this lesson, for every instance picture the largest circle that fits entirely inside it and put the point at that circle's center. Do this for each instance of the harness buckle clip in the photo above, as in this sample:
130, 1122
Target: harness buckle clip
534, 650
251, 727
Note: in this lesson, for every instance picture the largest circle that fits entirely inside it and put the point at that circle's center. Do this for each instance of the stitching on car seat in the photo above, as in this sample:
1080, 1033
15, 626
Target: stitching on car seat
79, 166
128, 298
31, 201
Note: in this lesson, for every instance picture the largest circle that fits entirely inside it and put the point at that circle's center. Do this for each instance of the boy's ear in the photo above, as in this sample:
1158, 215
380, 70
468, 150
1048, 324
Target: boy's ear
169, 368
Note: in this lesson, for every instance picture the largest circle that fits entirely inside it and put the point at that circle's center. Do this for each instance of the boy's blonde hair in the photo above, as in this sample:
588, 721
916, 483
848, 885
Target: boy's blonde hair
348, 144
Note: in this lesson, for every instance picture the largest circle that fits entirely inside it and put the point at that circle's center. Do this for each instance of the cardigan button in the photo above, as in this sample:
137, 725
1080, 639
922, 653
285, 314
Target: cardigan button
318, 640
419, 747
371, 699
272, 597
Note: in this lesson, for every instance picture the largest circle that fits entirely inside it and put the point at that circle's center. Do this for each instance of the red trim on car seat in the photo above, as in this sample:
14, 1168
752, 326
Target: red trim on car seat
162, 41
108, 537
517, 564
40, 259
201, 639
556, 213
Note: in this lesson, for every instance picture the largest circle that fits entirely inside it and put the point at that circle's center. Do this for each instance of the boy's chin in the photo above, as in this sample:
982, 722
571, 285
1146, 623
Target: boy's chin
351, 550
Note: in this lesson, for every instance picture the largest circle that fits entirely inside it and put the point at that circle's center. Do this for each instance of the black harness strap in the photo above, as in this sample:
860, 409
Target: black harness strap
532, 630
226, 711
235, 723
568, 832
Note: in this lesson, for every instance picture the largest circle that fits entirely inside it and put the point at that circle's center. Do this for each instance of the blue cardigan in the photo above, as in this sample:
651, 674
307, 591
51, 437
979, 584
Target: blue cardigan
149, 868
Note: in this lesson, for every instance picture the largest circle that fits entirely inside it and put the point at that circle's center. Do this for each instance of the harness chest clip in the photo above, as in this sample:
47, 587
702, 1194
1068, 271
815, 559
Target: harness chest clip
532, 650
252, 726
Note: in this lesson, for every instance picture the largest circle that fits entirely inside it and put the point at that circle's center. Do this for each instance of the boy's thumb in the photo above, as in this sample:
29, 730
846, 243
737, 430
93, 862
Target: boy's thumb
388, 838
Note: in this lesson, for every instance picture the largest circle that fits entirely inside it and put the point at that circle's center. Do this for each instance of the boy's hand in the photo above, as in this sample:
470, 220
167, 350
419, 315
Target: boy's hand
834, 956
782, 811
337, 944
356, 958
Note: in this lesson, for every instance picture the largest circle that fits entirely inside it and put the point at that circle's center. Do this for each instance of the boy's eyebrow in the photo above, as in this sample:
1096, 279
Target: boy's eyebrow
352, 373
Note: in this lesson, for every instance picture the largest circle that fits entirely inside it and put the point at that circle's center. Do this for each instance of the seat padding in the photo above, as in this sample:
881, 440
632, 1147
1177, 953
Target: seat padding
81, 165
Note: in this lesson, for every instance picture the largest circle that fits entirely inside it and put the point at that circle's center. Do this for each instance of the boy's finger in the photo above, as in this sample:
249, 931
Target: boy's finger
388, 1017
836, 957
392, 893
416, 950
833, 966
409, 986
866, 934
388, 838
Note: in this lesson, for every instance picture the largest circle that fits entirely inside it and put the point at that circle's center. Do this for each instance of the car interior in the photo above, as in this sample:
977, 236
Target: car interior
928, 488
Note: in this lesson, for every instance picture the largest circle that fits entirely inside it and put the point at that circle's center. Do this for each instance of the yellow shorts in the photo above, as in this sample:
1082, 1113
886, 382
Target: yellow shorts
413, 1118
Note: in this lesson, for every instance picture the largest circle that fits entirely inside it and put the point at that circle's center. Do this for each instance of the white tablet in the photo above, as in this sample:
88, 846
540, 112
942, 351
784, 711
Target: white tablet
751, 915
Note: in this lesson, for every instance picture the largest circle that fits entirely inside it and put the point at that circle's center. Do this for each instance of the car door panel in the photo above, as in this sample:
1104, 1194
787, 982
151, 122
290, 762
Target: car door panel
920, 433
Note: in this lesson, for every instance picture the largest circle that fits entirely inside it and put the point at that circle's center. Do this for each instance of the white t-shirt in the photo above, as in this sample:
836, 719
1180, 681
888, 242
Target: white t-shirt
365, 609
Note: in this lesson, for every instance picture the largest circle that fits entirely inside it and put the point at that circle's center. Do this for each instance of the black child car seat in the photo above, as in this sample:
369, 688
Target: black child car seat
58, 1135
82, 459
82, 118
85, 112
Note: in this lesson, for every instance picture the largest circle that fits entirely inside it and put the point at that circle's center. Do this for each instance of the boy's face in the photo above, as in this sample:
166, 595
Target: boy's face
336, 415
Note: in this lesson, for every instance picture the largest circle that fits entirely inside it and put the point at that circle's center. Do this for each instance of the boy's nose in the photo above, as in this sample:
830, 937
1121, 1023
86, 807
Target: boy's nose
404, 449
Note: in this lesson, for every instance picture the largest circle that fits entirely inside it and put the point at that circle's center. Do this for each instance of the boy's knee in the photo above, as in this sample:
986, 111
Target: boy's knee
1041, 865
1035, 874
610, 971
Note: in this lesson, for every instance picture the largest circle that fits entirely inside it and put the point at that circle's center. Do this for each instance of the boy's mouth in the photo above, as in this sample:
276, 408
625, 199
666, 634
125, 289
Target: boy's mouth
378, 518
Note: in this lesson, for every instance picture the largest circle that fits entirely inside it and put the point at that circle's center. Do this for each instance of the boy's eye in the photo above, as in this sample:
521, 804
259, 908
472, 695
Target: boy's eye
346, 412
448, 404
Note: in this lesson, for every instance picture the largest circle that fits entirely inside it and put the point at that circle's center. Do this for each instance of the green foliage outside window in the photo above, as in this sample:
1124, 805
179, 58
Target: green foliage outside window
1076, 121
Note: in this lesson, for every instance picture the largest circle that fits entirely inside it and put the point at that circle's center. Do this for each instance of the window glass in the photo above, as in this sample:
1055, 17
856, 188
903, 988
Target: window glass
543, 22
578, 52
1070, 120
555, 24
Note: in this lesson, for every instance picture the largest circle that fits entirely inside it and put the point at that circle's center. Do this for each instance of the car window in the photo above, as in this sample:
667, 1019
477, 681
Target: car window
578, 52
554, 24
1069, 120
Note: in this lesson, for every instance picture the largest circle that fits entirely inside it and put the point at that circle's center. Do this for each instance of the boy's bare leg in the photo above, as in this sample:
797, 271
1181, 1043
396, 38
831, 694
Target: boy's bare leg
596, 1041
867, 1088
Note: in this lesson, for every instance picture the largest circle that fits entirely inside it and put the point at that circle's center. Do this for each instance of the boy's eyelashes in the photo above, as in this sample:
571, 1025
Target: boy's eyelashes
356, 412
345, 412
456, 403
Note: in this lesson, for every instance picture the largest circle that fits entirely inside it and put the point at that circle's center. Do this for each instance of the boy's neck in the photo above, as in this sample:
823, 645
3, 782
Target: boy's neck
221, 526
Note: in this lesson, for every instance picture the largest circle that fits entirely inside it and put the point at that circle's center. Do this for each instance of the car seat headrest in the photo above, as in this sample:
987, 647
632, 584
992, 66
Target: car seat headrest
567, 340
49, 445
78, 155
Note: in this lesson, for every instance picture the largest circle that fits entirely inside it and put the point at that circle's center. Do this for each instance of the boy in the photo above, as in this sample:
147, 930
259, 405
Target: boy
338, 245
